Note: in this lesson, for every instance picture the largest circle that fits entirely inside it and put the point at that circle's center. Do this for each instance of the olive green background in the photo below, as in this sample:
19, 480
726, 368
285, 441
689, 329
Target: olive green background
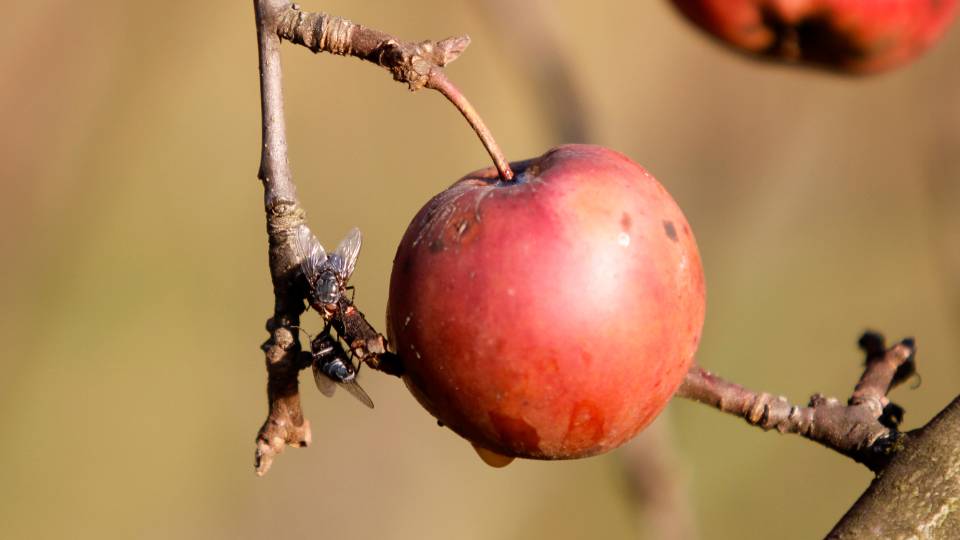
135, 284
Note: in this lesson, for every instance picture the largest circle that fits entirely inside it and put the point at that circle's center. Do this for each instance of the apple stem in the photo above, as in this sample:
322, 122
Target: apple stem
439, 82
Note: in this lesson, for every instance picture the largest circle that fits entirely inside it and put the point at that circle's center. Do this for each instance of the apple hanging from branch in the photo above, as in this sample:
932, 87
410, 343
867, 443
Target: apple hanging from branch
549, 314
553, 315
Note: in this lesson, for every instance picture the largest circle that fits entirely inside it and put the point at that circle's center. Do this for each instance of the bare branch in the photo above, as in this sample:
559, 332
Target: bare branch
861, 429
409, 62
285, 423
418, 64
918, 494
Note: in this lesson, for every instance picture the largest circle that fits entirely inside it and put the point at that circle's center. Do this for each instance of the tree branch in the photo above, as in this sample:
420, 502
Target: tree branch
409, 62
864, 429
285, 423
418, 64
918, 493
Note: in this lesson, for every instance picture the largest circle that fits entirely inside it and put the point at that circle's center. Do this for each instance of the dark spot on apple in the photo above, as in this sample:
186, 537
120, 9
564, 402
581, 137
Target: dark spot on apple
585, 427
460, 229
436, 245
529, 173
814, 39
670, 230
625, 222
523, 436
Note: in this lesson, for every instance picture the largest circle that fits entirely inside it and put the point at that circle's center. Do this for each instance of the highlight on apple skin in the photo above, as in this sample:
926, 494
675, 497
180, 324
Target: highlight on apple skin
553, 316
852, 36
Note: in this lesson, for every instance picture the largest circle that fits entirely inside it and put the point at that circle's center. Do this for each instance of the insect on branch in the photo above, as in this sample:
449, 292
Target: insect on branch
285, 424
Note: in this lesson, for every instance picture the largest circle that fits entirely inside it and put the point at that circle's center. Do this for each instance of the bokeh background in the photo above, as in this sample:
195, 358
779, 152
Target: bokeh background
135, 284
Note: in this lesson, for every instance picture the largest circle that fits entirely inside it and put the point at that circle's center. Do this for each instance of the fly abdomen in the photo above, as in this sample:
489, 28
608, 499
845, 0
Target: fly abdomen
338, 370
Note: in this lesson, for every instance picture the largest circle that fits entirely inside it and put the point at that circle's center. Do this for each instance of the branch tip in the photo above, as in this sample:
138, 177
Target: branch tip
853, 429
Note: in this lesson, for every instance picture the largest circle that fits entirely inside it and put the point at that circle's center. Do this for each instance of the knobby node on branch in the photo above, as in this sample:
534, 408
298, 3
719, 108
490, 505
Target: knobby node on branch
864, 428
417, 64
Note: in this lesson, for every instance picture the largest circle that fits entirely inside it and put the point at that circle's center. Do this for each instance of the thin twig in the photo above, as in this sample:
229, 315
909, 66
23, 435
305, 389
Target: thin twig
285, 423
418, 64
861, 429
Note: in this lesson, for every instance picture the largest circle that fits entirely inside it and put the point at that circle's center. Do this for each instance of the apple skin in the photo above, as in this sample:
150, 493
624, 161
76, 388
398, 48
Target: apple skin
853, 36
551, 317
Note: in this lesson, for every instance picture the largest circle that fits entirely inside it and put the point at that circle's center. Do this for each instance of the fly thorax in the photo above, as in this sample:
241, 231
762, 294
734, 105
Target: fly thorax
328, 289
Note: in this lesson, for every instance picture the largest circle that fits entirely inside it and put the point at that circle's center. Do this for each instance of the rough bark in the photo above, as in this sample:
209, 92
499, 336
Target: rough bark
917, 495
285, 423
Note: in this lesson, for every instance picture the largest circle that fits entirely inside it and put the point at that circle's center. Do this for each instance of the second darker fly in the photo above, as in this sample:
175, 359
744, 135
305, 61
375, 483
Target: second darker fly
332, 366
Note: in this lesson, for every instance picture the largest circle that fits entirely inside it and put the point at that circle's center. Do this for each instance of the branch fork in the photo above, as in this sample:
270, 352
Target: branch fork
864, 428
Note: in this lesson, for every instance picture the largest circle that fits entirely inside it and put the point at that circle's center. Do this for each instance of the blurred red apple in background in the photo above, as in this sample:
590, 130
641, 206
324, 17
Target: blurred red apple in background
857, 36
552, 316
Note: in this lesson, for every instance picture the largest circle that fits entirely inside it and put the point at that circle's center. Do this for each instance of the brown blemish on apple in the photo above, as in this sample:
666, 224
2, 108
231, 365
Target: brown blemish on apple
815, 38
585, 427
625, 222
521, 436
670, 230
462, 229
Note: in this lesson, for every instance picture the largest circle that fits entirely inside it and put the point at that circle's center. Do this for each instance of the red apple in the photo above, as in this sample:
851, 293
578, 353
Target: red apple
552, 316
857, 36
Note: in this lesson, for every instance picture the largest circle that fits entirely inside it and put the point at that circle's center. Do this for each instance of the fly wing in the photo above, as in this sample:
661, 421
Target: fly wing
356, 391
346, 254
310, 252
325, 384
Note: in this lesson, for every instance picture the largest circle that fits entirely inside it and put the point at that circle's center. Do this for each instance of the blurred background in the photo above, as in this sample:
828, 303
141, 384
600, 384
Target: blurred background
136, 285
